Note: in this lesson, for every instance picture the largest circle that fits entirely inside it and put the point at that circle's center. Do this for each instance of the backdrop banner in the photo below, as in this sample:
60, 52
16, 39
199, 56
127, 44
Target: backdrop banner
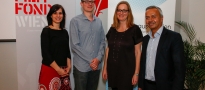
138, 9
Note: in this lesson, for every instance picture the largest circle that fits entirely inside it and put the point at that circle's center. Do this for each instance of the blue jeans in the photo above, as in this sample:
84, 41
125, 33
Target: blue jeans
86, 80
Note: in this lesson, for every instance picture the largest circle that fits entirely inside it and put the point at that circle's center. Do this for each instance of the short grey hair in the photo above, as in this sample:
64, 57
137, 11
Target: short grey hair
159, 9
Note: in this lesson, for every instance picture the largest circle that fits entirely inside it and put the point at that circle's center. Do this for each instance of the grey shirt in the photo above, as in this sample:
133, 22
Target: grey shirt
87, 41
151, 54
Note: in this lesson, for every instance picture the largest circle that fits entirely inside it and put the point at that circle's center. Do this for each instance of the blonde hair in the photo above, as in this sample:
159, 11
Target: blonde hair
130, 21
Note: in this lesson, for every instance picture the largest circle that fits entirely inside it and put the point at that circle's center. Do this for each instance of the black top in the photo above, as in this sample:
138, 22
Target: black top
121, 57
55, 46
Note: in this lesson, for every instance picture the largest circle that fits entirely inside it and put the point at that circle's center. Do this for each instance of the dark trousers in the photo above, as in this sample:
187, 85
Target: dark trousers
114, 89
149, 85
86, 80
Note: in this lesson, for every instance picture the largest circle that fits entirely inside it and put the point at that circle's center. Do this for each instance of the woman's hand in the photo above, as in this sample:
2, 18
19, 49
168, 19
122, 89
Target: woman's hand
104, 74
134, 79
62, 72
67, 69
59, 70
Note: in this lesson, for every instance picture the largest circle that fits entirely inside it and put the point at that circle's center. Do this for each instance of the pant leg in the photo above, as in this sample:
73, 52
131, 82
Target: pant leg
93, 78
114, 89
149, 85
80, 79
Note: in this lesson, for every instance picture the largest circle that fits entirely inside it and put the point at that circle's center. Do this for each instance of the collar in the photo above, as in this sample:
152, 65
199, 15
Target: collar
85, 18
158, 33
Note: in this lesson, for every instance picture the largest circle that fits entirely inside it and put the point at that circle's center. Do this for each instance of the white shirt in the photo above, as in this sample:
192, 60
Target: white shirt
151, 54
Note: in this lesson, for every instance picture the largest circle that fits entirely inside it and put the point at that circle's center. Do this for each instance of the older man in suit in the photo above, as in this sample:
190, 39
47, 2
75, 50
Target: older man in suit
162, 62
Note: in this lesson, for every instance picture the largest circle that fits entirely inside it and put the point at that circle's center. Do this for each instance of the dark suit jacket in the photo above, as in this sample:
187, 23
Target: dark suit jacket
169, 68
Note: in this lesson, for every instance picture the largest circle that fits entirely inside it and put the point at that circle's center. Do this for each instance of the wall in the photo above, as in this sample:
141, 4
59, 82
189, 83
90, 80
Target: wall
192, 12
7, 16
8, 66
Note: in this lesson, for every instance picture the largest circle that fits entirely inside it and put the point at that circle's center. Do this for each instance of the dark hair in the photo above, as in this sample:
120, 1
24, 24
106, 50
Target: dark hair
155, 7
53, 9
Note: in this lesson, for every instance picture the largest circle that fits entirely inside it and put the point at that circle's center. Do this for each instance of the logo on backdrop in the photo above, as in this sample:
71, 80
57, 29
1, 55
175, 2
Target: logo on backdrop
100, 5
140, 5
31, 13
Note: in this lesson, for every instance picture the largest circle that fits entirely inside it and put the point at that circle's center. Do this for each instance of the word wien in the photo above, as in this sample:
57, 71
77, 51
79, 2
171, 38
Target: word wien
31, 13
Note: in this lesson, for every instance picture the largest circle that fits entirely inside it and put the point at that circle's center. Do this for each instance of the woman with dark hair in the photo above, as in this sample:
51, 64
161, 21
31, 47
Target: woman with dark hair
122, 58
56, 63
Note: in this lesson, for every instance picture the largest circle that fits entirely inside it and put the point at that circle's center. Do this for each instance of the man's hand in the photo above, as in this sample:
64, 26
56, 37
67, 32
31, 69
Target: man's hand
94, 64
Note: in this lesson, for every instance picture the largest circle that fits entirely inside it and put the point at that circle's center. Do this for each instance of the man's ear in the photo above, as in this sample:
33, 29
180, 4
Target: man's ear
81, 3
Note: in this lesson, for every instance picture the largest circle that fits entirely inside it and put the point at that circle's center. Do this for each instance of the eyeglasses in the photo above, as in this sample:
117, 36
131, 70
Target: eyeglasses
88, 2
123, 11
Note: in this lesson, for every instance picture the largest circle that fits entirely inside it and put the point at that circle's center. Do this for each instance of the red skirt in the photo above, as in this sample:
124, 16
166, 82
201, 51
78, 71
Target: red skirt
50, 80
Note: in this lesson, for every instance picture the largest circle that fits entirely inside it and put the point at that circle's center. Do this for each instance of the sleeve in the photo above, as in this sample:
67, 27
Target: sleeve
108, 34
179, 62
137, 35
75, 42
143, 63
141, 75
68, 54
45, 46
101, 51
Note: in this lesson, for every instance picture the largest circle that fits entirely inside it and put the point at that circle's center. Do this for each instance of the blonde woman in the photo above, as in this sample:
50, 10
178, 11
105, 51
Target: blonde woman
121, 66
